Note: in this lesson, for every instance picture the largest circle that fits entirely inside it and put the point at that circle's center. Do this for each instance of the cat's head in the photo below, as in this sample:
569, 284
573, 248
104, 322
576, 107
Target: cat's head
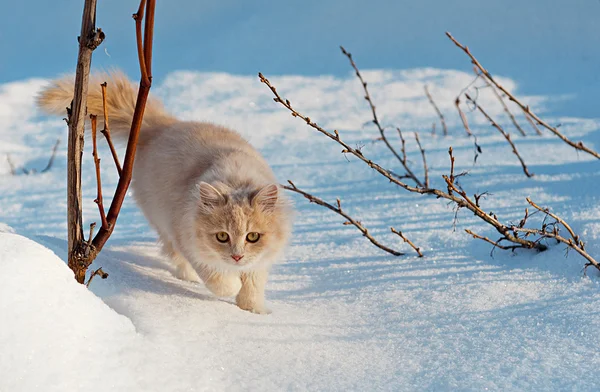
241, 227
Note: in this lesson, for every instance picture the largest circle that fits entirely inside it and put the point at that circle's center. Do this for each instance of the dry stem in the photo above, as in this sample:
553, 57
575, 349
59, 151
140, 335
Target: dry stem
106, 130
376, 120
506, 109
339, 211
577, 145
425, 169
99, 272
506, 135
98, 200
399, 233
463, 118
461, 200
439, 113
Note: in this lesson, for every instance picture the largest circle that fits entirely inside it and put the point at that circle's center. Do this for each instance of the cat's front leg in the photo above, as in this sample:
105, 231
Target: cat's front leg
252, 294
221, 284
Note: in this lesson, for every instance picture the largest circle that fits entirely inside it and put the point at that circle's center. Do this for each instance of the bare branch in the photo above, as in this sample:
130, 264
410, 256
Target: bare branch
463, 118
425, 169
376, 120
506, 109
338, 210
577, 145
99, 272
439, 113
106, 130
399, 234
145, 57
98, 200
530, 121
462, 200
506, 135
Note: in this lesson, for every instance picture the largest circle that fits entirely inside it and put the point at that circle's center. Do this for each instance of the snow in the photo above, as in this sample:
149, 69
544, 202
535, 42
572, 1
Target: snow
346, 316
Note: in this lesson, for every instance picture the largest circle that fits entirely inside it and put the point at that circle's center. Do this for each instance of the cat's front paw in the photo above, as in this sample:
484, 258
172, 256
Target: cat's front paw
252, 306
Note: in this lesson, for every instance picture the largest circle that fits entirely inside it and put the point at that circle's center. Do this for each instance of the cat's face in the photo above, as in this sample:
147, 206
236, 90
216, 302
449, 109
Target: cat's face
242, 228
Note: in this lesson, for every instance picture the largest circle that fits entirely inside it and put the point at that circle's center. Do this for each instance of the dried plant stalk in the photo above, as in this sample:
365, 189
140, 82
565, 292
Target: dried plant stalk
437, 110
338, 210
402, 160
504, 133
409, 242
577, 145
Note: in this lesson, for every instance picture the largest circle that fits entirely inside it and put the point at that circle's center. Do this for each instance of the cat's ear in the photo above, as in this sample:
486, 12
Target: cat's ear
266, 197
209, 196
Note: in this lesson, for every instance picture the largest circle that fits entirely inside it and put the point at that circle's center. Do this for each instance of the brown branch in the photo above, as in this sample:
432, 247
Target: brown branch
106, 130
89, 39
462, 200
425, 169
376, 120
145, 57
399, 234
439, 113
558, 219
506, 109
506, 135
495, 243
577, 145
403, 148
338, 210
99, 272
463, 118
98, 200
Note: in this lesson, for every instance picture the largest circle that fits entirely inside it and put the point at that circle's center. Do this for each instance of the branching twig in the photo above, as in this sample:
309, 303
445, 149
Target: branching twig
98, 200
460, 198
506, 109
439, 113
463, 118
409, 242
495, 243
425, 169
106, 130
338, 210
577, 145
530, 121
376, 120
99, 272
145, 58
506, 135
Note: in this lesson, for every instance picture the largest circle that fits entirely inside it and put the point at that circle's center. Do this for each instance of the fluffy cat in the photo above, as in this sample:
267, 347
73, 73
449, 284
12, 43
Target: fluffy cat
209, 194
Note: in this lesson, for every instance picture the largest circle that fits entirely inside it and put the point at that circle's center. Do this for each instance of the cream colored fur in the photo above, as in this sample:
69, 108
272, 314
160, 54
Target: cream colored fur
193, 180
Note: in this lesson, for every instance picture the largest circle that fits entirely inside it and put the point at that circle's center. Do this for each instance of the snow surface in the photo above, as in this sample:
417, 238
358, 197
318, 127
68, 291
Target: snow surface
346, 316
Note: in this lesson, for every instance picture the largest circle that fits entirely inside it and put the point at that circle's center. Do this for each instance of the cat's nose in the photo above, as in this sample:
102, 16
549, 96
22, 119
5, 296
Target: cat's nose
237, 257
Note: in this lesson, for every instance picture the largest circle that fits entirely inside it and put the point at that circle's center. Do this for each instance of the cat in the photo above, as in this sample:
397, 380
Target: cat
212, 198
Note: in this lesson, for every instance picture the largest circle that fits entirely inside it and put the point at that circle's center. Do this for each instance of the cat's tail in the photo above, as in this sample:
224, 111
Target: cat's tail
121, 98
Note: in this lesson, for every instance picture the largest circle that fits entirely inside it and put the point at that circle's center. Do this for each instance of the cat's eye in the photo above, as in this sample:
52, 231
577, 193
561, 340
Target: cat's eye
222, 236
252, 237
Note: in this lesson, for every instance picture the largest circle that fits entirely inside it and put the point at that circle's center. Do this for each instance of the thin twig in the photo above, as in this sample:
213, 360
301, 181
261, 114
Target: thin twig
106, 130
577, 145
439, 113
558, 219
98, 199
376, 120
51, 160
463, 118
339, 211
503, 132
462, 200
403, 148
100, 272
144, 57
425, 169
495, 243
506, 109
399, 234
